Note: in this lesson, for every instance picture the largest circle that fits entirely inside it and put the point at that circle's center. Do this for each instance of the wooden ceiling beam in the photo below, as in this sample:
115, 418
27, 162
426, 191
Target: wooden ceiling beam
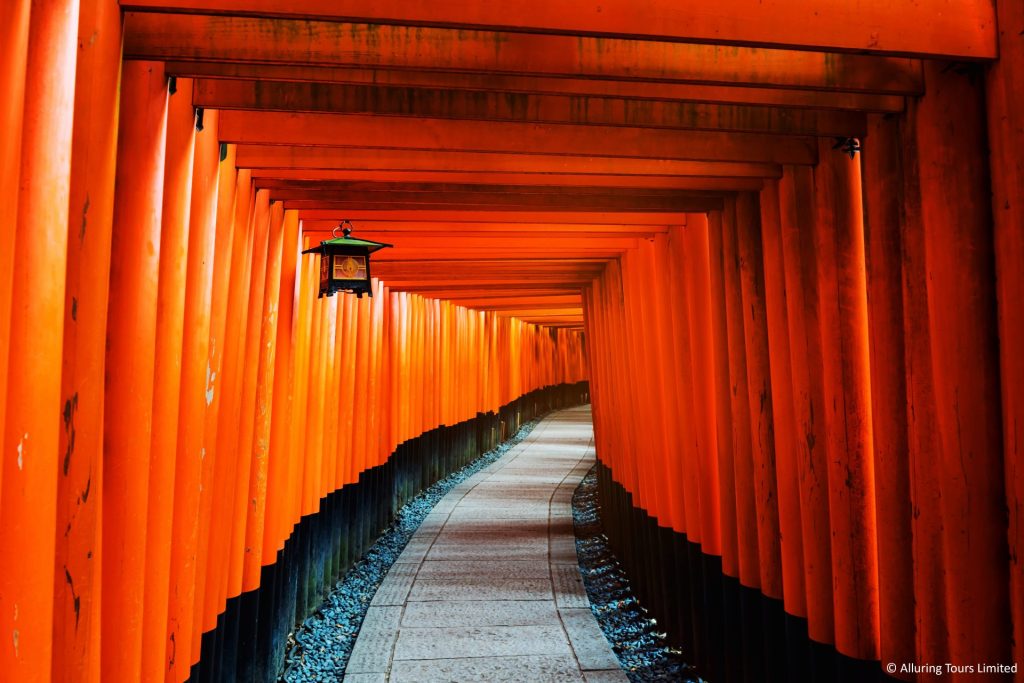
490, 106
364, 159
345, 208
963, 28
274, 178
259, 40
460, 296
633, 89
355, 130
496, 196
566, 219
479, 229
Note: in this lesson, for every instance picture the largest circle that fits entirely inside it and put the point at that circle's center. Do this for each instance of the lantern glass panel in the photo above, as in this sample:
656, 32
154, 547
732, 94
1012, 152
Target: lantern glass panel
348, 267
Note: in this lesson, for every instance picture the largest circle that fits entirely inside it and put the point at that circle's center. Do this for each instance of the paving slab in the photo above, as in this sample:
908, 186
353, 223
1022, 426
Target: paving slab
473, 613
473, 588
489, 588
481, 641
556, 669
492, 570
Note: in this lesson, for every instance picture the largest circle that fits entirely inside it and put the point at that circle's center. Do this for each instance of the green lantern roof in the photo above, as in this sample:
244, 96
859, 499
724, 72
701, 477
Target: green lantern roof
348, 241
355, 242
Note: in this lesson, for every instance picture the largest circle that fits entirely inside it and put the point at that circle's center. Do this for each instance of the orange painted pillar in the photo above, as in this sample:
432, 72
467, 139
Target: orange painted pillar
796, 205
170, 309
385, 361
353, 460
723, 396
222, 543
277, 526
28, 503
743, 464
759, 391
205, 192
842, 308
257, 492
311, 418
319, 412
931, 635
672, 338
1005, 102
131, 336
337, 473
668, 356
958, 252
14, 22
249, 347
647, 420
883, 227
697, 284
210, 599
787, 477
76, 595
305, 322
641, 440
358, 372
193, 403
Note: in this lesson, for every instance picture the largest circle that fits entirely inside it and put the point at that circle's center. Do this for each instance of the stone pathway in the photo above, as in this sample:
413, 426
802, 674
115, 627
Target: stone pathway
489, 588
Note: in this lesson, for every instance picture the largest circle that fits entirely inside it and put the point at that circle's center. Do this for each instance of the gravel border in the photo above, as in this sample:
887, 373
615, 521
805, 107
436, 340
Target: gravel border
320, 648
634, 636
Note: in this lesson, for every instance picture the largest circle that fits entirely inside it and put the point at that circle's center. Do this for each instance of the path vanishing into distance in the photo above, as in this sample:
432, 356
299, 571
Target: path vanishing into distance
489, 587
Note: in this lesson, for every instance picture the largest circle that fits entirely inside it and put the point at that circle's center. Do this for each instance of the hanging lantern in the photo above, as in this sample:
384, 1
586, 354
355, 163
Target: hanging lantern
345, 262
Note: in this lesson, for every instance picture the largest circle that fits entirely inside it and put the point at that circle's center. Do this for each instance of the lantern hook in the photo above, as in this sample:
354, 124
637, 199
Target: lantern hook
345, 226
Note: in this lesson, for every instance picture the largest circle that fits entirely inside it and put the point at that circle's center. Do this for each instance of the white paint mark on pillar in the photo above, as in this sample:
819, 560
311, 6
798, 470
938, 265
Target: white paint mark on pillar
21, 451
210, 377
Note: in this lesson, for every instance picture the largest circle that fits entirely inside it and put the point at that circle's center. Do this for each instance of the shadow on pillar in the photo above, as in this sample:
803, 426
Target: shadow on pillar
731, 633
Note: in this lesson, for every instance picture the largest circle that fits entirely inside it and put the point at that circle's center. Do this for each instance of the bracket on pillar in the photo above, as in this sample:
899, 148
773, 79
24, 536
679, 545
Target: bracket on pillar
848, 146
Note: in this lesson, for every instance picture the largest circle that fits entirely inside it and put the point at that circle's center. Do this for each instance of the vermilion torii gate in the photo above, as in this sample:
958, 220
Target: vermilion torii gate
805, 364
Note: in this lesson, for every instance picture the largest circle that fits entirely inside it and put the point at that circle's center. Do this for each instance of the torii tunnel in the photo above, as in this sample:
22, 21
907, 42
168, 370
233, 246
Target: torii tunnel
778, 247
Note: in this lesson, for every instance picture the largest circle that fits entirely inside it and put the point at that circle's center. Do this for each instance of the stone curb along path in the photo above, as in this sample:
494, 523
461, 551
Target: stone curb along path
489, 587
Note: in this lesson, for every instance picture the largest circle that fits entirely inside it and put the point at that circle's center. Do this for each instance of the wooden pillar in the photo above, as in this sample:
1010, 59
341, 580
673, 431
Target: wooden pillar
76, 599
1005, 106
796, 206
264, 394
931, 636
249, 348
723, 394
697, 282
883, 227
674, 341
219, 413
787, 476
958, 244
191, 424
842, 310
31, 428
233, 206
276, 528
665, 475
131, 336
743, 463
206, 198
759, 391
177, 199
232, 370
14, 22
